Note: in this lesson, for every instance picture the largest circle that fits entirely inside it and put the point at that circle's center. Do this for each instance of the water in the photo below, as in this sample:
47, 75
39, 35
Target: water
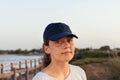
7, 59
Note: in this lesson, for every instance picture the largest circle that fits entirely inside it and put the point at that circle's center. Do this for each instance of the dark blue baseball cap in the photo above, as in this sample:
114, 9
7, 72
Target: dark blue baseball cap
55, 31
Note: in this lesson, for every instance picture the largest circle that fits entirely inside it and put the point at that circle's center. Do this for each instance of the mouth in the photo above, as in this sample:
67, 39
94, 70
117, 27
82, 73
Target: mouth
67, 52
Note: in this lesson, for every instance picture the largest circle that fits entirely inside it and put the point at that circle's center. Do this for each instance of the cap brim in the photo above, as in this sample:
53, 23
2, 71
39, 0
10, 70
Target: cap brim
61, 35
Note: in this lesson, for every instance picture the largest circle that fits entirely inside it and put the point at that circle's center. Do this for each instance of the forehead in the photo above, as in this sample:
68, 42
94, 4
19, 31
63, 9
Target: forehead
66, 37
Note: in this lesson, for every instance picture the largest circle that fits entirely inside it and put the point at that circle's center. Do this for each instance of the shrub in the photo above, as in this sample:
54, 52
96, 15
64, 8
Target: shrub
114, 65
89, 60
118, 53
89, 54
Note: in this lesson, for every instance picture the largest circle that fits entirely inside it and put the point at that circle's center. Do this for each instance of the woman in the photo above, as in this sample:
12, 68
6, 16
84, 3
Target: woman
59, 50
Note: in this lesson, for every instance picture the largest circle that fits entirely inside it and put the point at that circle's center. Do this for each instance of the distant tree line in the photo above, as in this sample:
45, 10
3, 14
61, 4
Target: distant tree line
104, 51
22, 52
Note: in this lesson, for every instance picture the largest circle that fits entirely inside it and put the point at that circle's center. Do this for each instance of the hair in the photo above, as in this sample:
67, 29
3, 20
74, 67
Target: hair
46, 57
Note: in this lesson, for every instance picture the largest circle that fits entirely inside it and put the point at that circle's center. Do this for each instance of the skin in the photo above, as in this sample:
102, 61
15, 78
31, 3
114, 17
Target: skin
61, 51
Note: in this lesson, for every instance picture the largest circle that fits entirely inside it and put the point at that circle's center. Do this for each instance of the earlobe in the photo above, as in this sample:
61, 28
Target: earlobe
46, 48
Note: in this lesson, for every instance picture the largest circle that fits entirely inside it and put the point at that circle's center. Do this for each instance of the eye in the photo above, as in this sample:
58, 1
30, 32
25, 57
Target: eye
70, 40
59, 42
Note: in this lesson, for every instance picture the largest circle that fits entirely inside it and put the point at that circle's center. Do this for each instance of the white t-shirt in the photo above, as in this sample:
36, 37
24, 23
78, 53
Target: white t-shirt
76, 73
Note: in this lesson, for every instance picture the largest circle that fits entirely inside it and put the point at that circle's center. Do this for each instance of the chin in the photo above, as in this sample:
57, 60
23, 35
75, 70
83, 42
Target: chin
68, 60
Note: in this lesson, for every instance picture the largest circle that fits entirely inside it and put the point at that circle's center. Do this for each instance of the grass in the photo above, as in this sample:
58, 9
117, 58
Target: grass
89, 60
112, 65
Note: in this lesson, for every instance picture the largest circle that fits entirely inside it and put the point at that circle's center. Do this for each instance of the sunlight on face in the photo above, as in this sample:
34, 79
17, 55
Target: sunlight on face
62, 49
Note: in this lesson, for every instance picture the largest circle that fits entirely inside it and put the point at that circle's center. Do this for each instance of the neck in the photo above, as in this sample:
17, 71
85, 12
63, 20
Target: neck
57, 70
59, 66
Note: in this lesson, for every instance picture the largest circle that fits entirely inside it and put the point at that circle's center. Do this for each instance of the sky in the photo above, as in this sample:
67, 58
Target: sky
95, 22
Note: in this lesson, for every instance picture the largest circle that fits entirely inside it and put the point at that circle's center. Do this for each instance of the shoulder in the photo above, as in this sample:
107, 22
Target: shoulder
39, 76
78, 72
42, 76
76, 68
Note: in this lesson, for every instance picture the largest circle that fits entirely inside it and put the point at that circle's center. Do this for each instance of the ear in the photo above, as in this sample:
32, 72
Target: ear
47, 50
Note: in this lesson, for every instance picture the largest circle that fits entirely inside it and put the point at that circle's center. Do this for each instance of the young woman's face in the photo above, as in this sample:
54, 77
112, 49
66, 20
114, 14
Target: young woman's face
61, 50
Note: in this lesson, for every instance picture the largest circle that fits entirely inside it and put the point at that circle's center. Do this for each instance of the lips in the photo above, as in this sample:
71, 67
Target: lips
67, 52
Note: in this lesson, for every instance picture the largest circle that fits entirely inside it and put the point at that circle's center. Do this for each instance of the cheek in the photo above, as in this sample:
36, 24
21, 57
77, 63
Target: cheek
53, 51
56, 52
73, 48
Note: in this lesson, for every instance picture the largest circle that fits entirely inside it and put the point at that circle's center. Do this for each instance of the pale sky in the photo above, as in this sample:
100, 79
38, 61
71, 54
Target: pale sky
96, 22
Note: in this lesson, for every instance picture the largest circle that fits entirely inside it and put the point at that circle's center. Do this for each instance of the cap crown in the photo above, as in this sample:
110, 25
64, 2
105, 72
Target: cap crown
55, 31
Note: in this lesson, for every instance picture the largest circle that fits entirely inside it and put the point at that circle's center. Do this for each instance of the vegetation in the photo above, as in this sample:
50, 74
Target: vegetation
109, 59
114, 67
89, 60
22, 52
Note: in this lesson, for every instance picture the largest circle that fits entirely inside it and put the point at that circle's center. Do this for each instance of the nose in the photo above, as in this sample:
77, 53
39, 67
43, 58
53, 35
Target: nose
66, 44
